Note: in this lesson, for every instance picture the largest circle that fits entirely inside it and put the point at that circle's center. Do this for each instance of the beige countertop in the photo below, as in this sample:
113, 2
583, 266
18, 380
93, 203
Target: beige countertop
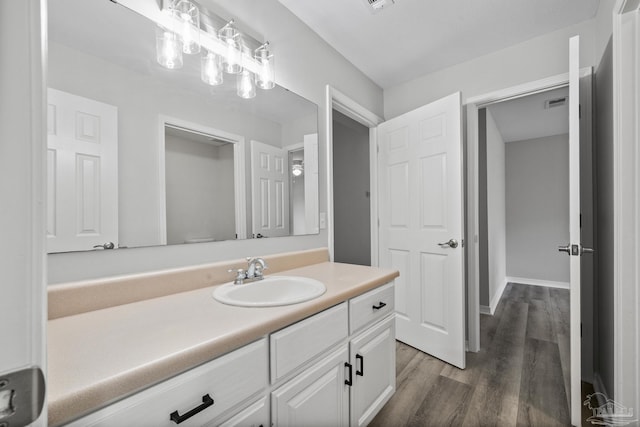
98, 357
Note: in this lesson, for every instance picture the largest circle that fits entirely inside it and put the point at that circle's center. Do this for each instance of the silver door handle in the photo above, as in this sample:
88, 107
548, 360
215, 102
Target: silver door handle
452, 243
575, 250
566, 249
584, 250
108, 245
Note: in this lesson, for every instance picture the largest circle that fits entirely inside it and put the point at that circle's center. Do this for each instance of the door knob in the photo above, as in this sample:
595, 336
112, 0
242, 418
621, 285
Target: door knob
584, 250
566, 249
108, 245
452, 243
575, 250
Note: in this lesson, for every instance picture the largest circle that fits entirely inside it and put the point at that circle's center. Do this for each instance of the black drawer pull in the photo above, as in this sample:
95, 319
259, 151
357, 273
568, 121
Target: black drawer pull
361, 371
379, 306
349, 382
177, 418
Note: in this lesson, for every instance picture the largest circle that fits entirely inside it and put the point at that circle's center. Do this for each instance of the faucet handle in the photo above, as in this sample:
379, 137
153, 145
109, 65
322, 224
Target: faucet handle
240, 273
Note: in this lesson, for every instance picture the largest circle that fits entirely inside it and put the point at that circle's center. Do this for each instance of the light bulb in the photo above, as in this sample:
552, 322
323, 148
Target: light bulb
189, 15
233, 56
211, 68
245, 85
168, 49
265, 79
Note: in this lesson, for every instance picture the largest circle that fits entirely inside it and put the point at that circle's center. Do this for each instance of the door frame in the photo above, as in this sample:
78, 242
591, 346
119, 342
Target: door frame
350, 108
240, 192
473, 104
22, 222
626, 212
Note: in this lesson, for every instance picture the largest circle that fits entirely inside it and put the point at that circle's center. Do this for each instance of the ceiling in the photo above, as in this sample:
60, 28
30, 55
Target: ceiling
527, 118
412, 38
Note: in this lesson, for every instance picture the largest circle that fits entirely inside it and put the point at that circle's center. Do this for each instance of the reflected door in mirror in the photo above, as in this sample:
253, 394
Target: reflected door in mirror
270, 190
82, 173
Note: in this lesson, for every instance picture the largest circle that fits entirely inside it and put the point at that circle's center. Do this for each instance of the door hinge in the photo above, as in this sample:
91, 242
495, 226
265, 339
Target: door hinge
579, 111
580, 329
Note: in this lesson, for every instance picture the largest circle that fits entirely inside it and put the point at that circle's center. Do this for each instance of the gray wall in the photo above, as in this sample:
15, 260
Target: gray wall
604, 244
200, 190
483, 251
352, 239
537, 208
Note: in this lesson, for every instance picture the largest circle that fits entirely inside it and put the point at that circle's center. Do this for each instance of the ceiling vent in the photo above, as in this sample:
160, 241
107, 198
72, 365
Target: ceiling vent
377, 5
556, 102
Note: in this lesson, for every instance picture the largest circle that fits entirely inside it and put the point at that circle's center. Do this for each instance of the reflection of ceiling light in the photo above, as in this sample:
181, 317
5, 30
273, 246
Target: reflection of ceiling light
297, 168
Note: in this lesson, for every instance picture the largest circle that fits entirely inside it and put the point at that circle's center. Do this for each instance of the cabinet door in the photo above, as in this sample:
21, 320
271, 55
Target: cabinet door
317, 397
254, 415
373, 356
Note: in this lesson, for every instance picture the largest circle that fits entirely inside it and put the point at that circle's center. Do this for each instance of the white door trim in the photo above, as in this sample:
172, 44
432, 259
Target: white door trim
473, 104
350, 108
626, 196
238, 172
23, 168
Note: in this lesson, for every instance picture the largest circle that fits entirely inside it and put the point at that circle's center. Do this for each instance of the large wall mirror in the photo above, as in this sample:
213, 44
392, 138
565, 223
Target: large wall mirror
139, 155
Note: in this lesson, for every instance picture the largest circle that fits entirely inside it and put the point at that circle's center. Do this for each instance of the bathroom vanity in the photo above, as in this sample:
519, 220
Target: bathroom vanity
187, 358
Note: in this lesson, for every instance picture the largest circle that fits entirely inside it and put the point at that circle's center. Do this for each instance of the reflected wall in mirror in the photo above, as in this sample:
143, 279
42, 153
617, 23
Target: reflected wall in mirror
101, 52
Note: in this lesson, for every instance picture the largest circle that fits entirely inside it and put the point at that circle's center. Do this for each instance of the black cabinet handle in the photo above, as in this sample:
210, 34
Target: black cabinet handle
177, 418
379, 306
349, 382
361, 371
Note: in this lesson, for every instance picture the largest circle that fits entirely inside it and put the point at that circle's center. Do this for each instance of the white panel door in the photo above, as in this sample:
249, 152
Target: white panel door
311, 195
420, 193
270, 190
82, 173
574, 248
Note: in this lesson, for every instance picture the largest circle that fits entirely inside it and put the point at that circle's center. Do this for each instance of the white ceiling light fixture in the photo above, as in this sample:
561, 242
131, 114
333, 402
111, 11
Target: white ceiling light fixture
297, 168
179, 31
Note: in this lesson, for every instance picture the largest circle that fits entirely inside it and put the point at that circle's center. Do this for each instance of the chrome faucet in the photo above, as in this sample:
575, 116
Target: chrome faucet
256, 268
254, 271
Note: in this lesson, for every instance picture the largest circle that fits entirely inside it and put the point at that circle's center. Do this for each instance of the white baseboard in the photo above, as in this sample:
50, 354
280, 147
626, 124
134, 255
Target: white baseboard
491, 308
538, 282
485, 309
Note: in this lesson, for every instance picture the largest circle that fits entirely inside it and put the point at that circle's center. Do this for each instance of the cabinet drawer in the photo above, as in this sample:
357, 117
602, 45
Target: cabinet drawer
254, 415
228, 380
371, 307
297, 344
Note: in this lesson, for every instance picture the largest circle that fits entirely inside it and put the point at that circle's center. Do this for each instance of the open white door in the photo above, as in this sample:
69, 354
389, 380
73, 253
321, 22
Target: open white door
311, 196
574, 248
420, 193
82, 173
270, 190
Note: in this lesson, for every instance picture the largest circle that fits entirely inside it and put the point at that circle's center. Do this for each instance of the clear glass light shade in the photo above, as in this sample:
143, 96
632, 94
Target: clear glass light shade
211, 68
233, 58
189, 16
246, 87
168, 49
297, 168
265, 78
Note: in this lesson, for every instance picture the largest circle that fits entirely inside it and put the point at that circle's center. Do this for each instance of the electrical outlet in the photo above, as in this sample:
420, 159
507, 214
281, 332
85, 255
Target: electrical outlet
323, 220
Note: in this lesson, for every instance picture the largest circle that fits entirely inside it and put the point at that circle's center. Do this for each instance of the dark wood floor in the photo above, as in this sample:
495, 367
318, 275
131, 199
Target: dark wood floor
518, 378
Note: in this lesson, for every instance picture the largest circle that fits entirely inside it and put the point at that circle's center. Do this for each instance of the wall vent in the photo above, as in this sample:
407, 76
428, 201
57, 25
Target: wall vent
376, 6
556, 102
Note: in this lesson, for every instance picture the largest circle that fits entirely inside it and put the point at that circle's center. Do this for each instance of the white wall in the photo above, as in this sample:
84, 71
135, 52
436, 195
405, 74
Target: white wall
496, 229
305, 65
537, 202
200, 190
535, 59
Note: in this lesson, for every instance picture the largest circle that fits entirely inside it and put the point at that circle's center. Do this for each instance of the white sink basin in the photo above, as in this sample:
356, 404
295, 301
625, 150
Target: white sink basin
270, 292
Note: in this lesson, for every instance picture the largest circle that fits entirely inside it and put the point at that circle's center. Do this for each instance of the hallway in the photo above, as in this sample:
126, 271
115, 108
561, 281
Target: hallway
516, 378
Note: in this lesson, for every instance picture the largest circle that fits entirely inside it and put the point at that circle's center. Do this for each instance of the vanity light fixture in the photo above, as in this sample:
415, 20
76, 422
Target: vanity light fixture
233, 58
168, 49
245, 85
265, 77
223, 50
211, 68
189, 16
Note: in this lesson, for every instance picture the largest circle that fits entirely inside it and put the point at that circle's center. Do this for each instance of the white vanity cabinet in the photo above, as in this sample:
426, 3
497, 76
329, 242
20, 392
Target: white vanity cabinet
351, 381
194, 398
373, 357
